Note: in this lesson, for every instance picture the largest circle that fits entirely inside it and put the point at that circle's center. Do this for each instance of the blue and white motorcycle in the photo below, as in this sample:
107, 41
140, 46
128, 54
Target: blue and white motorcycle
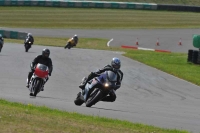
96, 89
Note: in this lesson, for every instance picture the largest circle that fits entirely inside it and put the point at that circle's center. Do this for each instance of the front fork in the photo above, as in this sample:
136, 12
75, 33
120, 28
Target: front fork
32, 82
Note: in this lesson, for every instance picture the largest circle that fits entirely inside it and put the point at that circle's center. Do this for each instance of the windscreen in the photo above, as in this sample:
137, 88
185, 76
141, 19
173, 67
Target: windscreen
42, 67
111, 76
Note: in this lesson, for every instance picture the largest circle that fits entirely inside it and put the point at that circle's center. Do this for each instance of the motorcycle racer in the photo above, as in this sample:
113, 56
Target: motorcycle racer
115, 67
42, 59
72, 41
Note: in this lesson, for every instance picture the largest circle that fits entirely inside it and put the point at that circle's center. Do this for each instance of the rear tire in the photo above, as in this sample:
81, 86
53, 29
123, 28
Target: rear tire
94, 99
78, 101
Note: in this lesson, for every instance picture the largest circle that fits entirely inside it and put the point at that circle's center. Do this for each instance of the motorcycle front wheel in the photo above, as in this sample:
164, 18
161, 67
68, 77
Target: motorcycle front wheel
0, 48
26, 48
37, 87
94, 98
68, 46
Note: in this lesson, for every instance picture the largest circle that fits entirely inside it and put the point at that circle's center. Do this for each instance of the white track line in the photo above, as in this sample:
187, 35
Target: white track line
108, 43
145, 49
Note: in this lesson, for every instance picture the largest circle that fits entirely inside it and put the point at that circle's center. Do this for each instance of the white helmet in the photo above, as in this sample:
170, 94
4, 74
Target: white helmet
29, 34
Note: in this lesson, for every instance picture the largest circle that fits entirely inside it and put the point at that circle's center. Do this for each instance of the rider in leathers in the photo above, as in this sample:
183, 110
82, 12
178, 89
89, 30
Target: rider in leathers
72, 41
28, 38
115, 67
1, 39
42, 59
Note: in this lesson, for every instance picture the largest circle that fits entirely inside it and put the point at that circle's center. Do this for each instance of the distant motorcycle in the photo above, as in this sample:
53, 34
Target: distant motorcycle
96, 89
70, 43
27, 45
1, 45
38, 79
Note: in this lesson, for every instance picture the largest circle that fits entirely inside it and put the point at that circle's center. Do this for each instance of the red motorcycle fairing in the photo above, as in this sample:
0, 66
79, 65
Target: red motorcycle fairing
38, 78
41, 71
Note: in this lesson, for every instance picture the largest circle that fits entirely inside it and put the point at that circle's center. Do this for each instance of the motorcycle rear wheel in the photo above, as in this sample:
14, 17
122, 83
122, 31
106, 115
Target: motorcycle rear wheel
78, 101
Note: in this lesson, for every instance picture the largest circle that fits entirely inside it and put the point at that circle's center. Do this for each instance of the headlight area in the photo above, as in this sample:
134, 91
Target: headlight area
106, 85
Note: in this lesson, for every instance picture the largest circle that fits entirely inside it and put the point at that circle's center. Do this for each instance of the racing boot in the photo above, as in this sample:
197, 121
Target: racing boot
27, 84
83, 83
42, 89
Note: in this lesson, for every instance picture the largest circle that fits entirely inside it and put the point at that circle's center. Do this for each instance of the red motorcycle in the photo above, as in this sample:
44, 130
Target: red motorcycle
38, 79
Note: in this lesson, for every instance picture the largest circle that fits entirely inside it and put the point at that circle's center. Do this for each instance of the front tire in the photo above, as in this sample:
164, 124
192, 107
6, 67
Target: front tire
68, 46
26, 48
37, 87
94, 99
1, 47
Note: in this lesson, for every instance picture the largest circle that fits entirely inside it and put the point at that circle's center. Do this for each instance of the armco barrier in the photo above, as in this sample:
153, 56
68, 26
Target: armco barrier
79, 4
99, 4
178, 8
13, 34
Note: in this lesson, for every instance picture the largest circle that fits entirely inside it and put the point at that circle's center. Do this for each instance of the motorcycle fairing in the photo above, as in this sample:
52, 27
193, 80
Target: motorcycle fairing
89, 87
98, 82
33, 79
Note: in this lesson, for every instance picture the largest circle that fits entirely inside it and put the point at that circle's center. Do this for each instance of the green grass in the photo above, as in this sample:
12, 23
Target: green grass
46, 17
20, 118
91, 43
181, 2
173, 63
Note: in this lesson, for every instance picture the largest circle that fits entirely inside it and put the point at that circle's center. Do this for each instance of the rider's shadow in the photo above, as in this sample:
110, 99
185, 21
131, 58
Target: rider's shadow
44, 97
31, 52
112, 110
3, 55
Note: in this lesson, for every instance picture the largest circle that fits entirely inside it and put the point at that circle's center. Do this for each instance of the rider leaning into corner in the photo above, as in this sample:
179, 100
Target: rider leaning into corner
30, 38
1, 38
115, 67
73, 41
42, 59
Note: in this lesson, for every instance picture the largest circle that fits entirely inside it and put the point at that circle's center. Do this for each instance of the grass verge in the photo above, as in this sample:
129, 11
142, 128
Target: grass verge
91, 43
20, 118
48, 17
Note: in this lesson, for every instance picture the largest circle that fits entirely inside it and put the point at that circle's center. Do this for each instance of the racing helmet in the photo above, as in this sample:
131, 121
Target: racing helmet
45, 53
116, 63
29, 34
75, 37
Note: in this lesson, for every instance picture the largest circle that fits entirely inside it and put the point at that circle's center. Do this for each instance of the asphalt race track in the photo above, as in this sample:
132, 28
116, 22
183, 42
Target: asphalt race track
147, 95
147, 38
